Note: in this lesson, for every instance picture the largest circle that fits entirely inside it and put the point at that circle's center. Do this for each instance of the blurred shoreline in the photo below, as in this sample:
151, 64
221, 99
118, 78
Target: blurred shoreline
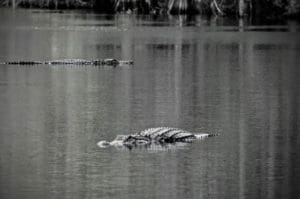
278, 9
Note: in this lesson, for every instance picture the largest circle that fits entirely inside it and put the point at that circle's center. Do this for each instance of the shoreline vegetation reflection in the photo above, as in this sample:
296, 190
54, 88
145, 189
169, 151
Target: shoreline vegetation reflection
243, 8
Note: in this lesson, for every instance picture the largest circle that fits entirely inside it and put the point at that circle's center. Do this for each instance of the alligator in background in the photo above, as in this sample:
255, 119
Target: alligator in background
96, 62
155, 138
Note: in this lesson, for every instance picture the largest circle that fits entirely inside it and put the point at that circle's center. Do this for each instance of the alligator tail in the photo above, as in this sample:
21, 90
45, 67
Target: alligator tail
213, 134
205, 135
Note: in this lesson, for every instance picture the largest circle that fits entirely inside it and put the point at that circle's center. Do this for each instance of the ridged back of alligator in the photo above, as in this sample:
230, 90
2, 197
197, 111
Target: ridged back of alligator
166, 133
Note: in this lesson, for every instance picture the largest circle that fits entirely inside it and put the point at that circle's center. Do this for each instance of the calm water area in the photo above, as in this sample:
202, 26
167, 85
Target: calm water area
198, 74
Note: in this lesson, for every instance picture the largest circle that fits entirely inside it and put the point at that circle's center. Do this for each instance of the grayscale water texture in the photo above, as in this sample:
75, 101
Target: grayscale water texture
198, 74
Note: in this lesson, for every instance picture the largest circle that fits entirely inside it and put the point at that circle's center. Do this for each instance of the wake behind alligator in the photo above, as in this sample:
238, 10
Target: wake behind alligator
96, 62
160, 137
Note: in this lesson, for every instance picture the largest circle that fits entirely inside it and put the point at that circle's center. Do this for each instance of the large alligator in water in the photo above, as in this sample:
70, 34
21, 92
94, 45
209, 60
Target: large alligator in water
160, 136
96, 62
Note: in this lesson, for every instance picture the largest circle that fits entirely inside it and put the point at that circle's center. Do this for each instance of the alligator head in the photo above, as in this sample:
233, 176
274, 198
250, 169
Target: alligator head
126, 140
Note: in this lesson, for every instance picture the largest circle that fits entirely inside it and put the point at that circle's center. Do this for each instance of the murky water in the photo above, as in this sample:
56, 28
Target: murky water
196, 74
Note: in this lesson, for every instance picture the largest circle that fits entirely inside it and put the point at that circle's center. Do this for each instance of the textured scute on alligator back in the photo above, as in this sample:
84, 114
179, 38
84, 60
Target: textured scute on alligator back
179, 136
155, 132
166, 134
183, 135
70, 60
149, 132
137, 139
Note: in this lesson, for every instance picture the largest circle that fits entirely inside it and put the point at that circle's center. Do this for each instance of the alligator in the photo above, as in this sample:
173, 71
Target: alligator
96, 62
154, 136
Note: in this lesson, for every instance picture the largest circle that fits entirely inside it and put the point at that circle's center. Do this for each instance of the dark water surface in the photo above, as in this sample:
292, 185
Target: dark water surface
196, 74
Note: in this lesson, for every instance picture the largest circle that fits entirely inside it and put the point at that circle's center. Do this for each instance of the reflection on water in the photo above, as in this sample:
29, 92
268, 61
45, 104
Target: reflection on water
199, 78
